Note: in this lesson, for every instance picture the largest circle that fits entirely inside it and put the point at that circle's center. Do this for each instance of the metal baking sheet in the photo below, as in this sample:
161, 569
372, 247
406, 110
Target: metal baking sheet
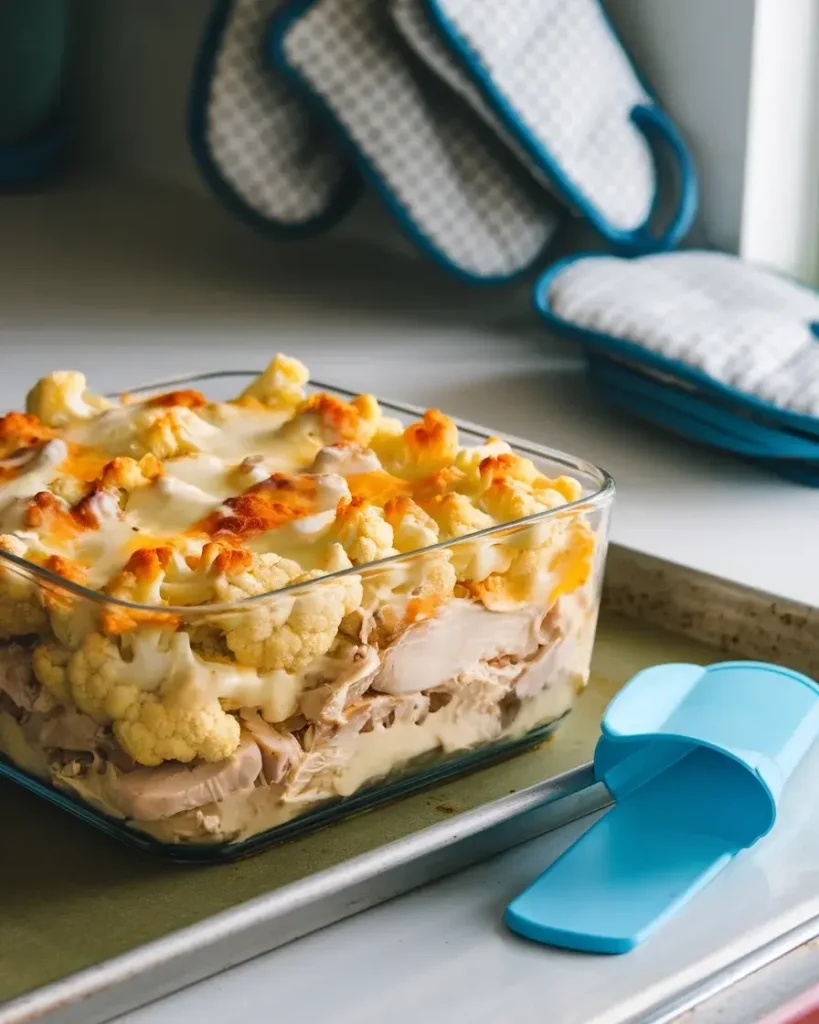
88, 929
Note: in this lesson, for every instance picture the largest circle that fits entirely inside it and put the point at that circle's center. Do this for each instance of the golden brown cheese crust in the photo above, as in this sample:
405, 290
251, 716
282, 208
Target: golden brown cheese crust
423, 472
174, 502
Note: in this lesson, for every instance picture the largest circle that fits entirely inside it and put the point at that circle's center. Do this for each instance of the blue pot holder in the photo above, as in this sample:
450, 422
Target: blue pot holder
556, 75
701, 344
450, 183
696, 760
262, 151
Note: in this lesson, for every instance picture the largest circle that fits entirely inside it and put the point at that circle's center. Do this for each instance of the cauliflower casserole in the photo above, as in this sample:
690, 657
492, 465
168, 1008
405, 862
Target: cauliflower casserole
217, 615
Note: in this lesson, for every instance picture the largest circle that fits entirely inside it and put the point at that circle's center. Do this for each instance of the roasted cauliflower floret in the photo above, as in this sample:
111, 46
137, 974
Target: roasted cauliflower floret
573, 564
474, 559
169, 432
387, 432
63, 396
346, 459
282, 384
540, 575
363, 532
70, 489
566, 487
20, 430
414, 530
153, 731
510, 487
323, 419
21, 606
421, 450
150, 698
456, 516
412, 527
509, 500
186, 397
71, 617
140, 580
285, 632
435, 575
525, 582
469, 460
50, 663
126, 474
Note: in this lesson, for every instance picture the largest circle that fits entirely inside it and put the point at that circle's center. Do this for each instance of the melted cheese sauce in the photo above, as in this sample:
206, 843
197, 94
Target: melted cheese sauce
273, 472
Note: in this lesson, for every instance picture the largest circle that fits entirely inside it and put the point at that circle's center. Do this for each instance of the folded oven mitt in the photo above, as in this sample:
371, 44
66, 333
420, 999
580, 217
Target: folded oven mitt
261, 149
421, 34
700, 343
552, 77
448, 180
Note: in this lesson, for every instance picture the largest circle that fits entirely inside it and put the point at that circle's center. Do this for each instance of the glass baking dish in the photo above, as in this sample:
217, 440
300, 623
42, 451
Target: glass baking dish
435, 688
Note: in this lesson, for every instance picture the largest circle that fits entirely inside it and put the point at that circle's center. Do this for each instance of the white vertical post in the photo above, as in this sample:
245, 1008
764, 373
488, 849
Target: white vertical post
780, 211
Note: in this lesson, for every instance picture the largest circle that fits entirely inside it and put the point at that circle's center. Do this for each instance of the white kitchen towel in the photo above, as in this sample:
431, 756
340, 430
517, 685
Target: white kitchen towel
558, 77
258, 144
451, 185
705, 319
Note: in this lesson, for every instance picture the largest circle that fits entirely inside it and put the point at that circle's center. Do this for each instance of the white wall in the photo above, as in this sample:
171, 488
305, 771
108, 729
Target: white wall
781, 207
131, 69
134, 58
697, 55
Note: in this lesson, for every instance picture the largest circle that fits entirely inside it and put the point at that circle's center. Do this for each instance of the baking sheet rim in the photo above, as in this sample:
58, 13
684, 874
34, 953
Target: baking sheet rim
641, 586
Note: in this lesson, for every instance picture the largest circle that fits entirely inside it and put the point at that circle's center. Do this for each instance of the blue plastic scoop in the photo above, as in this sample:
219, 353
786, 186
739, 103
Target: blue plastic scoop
696, 760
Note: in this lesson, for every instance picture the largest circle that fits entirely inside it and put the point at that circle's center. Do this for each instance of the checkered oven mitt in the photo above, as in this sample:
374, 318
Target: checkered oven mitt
449, 182
421, 35
260, 148
556, 77
700, 343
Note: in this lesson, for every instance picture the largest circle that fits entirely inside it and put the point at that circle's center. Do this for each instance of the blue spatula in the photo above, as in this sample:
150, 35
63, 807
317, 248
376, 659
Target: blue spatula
696, 760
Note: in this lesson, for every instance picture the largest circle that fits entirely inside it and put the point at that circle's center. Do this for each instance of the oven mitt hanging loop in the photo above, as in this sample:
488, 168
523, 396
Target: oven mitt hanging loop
452, 187
696, 760
267, 156
556, 75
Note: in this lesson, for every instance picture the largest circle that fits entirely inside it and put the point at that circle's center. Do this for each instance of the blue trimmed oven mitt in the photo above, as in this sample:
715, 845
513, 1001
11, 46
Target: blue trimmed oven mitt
479, 125
263, 152
699, 343
555, 78
447, 180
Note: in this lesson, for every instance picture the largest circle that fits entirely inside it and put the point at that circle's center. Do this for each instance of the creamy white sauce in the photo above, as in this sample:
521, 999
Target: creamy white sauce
36, 475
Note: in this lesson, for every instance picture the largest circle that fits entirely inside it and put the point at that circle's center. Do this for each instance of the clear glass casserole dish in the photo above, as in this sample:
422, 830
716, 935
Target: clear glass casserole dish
373, 608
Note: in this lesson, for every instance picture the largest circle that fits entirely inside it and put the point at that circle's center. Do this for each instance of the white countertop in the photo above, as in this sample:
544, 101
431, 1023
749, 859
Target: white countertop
134, 290
131, 291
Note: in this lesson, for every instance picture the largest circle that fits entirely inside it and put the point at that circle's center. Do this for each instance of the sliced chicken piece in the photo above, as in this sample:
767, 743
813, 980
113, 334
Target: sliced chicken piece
458, 638
68, 729
328, 702
17, 680
411, 709
281, 751
153, 793
327, 747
